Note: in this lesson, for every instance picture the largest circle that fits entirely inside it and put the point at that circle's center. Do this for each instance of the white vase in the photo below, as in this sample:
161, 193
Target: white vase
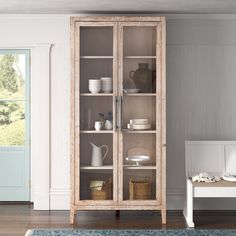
108, 125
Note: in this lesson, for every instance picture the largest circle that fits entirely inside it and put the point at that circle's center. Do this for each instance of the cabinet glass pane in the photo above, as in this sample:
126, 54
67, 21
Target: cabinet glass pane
94, 109
139, 166
96, 166
96, 185
96, 41
139, 41
139, 74
139, 185
139, 107
94, 69
139, 145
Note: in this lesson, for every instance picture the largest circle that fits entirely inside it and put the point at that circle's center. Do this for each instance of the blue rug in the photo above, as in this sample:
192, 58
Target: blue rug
74, 232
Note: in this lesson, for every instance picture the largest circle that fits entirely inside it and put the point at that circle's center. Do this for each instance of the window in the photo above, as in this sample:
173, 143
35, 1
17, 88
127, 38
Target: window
14, 81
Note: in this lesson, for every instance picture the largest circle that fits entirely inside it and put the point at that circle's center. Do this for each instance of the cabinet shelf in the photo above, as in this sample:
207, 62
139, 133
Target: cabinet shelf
96, 132
140, 131
96, 94
140, 57
140, 94
132, 167
107, 167
96, 57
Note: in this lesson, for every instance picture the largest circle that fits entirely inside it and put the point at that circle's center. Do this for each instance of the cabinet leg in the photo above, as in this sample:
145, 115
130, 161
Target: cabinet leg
163, 216
117, 213
72, 216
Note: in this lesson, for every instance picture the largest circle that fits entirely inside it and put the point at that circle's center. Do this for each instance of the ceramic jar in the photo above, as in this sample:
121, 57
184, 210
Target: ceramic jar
142, 78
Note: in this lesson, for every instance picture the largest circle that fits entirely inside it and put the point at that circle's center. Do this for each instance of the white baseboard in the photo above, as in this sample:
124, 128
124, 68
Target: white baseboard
41, 201
59, 199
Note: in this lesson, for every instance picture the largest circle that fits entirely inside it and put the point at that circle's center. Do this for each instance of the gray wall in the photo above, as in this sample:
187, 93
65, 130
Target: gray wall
201, 94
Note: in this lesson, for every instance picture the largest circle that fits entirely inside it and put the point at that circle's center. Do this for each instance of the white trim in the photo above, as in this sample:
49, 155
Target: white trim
35, 16
16, 46
169, 16
59, 198
40, 77
40, 126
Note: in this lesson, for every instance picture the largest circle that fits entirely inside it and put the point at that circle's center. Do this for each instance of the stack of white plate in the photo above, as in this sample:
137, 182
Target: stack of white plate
139, 124
95, 85
106, 84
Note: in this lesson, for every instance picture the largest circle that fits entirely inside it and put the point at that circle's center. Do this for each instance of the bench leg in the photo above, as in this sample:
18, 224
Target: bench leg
188, 208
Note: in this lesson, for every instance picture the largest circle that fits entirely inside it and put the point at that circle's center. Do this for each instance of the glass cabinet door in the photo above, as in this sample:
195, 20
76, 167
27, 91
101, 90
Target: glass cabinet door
97, 160
140, 88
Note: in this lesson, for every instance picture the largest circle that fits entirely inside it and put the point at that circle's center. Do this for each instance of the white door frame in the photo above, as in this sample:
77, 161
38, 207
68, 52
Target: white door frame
40, 98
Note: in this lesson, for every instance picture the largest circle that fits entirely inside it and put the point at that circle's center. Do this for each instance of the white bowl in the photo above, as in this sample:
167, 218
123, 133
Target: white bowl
94, 90
127, 91
106, 83
95, 82
139, 121
95, 86
106, 78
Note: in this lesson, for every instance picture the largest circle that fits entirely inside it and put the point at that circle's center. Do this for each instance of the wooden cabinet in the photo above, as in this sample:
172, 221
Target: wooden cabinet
131, 52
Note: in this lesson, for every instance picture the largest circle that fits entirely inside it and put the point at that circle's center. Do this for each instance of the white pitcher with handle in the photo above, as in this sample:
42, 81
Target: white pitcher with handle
97, 158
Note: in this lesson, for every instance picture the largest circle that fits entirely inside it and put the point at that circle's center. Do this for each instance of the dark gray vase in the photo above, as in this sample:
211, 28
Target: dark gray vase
142, 78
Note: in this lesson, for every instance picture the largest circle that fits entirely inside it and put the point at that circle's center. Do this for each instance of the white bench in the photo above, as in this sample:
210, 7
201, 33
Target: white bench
213, 157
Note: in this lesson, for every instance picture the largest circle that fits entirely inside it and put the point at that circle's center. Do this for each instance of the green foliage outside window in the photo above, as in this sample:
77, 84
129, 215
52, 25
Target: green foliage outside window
11, 112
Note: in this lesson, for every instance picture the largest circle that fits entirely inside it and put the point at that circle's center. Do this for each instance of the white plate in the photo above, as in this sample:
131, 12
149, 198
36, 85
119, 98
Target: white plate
139, 121
139, 127
131, 90
229, 177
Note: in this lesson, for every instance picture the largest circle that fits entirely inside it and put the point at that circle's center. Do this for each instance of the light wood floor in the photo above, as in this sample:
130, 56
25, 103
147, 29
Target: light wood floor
16, 219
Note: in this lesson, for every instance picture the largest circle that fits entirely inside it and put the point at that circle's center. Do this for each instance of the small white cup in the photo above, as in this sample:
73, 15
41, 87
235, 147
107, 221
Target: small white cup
98, 125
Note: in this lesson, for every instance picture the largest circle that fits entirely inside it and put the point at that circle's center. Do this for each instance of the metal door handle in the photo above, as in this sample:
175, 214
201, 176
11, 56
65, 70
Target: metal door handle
121, 112
118, 113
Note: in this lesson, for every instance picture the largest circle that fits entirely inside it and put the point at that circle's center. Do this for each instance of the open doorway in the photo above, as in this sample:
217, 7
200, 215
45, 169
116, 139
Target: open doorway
14, 125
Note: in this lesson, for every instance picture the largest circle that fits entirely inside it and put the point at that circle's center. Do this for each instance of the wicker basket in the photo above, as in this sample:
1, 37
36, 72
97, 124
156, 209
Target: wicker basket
140, 189
103, 194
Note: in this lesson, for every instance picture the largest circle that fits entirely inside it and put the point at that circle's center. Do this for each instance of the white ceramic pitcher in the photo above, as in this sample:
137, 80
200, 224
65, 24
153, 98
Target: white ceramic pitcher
97, 158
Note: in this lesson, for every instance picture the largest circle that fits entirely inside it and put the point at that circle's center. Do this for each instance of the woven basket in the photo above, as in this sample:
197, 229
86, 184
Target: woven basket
103, 194
140, 189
